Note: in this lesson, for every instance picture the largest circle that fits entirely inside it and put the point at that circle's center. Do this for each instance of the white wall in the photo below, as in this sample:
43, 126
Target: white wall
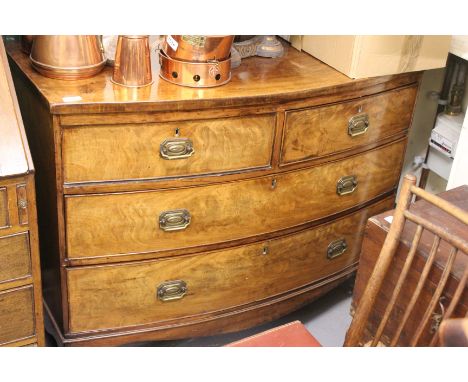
459, 172
425, 111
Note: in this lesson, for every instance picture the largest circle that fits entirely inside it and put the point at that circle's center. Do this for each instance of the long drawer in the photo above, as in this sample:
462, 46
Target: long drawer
15, 257
157, 150
16, 314
151, 221
112, 296
322, 131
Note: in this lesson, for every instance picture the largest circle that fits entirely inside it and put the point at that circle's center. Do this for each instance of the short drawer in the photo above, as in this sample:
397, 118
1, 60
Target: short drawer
159, 150
112, 296
323, 131
16, 314
152, 221
15, 258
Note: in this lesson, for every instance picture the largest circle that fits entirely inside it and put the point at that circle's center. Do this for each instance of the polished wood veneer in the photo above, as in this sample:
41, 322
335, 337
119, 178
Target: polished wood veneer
275, 266
132, 151
270, 193
123, 223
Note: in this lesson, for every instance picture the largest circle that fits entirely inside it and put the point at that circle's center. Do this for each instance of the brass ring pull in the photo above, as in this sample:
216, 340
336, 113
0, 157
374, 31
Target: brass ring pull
176, 148
174, 220
358, 124
336, 248
346, 185
171, 290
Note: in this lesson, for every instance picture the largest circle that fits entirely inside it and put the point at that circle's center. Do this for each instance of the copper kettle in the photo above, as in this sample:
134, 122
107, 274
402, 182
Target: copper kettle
67, 57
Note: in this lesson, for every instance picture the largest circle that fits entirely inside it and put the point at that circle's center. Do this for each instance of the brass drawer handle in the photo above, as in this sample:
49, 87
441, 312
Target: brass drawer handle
358, 124
172, 290
336, 248
174, 220
176, 148
346, 185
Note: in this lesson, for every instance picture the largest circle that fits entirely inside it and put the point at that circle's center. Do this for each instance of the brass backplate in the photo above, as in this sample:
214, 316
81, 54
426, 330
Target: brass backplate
358, 124
174, 220
346, 185
336, 248
171, 290
176, 148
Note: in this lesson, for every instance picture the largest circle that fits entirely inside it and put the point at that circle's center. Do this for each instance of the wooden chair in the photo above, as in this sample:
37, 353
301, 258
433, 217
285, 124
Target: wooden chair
459, 247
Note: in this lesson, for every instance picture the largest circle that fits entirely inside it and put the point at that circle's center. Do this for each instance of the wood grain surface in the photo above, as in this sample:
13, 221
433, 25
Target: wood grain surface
111, 224
15, 258
16, 314
257, 81
132, 151
316, 132
103, 297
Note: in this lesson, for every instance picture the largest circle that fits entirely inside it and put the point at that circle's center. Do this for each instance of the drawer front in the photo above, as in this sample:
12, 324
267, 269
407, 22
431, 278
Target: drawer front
15, 258
318, 132
111, 296
16, 314
4, 220
157, 150
110, 224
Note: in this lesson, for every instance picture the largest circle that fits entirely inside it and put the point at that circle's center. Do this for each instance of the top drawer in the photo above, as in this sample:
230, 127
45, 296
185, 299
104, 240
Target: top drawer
322, 131
158, 150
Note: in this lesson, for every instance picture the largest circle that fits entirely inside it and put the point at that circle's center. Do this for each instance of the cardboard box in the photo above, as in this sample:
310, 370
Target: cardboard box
370, 56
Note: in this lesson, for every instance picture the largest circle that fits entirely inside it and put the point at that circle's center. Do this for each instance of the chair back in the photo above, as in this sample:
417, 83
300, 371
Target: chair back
458, 248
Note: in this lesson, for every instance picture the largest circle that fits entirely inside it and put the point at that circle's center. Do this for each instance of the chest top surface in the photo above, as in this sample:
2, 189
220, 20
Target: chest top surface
14, 153
256, 81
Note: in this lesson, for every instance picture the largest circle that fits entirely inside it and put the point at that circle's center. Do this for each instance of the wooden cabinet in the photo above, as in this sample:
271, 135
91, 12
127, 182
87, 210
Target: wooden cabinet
171, 212
21, 317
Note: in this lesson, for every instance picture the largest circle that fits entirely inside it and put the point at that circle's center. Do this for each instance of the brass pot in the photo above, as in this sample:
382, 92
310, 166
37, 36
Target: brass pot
195, 74
132, 64
67, 57
197, 48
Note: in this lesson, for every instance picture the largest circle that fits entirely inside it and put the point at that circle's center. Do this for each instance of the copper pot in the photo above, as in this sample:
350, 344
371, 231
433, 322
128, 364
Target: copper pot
197, 48
195, 74
67, 57
132, 64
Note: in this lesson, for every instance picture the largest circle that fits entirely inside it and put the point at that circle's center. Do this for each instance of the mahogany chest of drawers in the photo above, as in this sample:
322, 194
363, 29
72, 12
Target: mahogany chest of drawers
172, 212
21, 320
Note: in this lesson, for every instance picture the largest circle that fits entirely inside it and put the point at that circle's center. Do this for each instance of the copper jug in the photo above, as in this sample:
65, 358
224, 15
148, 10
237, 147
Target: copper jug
67, 57
132, 64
